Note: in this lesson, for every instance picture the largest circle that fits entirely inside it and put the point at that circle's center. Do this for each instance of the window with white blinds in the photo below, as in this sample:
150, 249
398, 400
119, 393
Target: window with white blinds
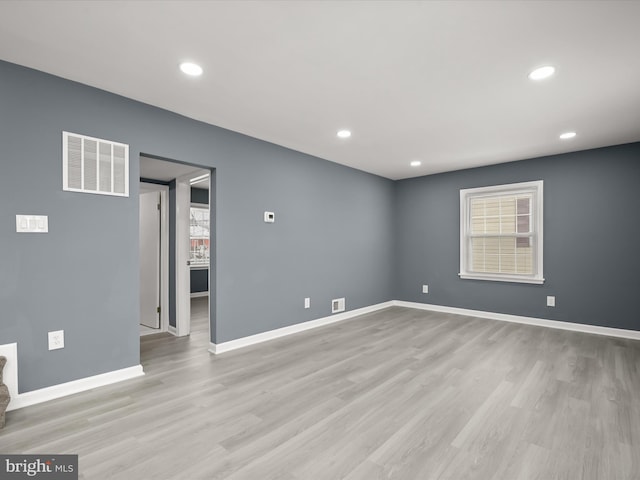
93, 165
501, 233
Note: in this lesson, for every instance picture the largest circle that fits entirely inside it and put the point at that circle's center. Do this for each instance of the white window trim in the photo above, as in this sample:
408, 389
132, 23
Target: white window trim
535, 188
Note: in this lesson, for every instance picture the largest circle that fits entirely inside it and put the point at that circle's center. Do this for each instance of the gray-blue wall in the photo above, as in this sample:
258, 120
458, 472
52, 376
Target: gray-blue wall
330, 239
591, 235
338, 232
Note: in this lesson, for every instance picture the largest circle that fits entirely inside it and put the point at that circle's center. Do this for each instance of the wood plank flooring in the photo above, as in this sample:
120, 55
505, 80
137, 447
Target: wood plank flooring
395, 394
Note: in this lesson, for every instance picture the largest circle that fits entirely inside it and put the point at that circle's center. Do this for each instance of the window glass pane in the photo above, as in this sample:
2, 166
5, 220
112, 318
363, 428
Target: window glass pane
508, 224
524, 224
492, 225
492, 245
508, 206
524, 263
507, 246
507, 264
492, 264
199, 229
477, 207
524, 205
477, 225
477, 246
492, 206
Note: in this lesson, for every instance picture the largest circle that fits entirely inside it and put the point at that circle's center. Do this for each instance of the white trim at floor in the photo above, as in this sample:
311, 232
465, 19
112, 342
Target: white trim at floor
299, 327
76, 386
540, 322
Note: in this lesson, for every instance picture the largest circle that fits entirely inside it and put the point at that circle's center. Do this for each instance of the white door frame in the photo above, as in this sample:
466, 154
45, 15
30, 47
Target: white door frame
164, 249
183, 246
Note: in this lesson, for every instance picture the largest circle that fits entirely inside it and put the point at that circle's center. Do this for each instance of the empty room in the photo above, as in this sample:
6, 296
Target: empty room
319, 240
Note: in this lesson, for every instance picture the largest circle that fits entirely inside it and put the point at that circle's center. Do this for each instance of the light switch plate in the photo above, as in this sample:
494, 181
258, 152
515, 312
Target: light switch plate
32, 223
269, 217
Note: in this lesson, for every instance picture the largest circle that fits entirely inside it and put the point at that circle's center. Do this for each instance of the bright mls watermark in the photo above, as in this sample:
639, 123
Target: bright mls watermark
51, 467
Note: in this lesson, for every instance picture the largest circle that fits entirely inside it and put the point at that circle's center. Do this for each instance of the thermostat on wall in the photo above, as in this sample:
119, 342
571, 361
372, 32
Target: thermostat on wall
269, 217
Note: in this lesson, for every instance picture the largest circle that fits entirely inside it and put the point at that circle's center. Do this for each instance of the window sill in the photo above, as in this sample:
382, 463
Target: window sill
502, 278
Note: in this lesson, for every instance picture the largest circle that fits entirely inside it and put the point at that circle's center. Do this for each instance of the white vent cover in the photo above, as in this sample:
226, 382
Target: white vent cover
92, 165
337, 305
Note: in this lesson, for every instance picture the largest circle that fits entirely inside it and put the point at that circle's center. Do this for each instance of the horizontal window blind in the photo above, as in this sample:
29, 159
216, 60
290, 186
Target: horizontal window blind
501, 237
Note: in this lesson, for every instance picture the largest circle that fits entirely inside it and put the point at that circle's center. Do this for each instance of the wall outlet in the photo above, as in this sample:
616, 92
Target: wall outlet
307, 302
56, 340
425, 288
337, 305
551, 301
269, 217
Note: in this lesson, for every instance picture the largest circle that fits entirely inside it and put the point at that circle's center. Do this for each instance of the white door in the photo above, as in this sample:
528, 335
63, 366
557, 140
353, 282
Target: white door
150, 259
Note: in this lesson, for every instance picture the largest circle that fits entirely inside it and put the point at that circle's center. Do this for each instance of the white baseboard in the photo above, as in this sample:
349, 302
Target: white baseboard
199, 294
299, 327
540, 322
172, 330
76, 386
83, 384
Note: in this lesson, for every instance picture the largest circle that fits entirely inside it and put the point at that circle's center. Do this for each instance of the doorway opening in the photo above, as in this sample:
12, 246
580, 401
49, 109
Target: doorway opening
188, 244
154, 258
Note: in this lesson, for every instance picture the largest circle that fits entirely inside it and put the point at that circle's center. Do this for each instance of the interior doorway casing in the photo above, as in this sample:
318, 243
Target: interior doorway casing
177, 176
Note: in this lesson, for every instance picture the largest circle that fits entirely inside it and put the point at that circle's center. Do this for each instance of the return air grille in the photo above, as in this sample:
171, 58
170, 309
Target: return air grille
92, 165
337, 305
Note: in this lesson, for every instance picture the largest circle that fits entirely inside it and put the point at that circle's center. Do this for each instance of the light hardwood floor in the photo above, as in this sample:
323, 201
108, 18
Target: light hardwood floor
399, 393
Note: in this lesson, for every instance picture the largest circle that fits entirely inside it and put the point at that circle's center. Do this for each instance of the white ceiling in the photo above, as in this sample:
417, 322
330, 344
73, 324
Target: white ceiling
165, 171
443, 82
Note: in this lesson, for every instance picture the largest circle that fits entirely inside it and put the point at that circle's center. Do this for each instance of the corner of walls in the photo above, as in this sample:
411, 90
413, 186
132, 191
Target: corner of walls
586, 266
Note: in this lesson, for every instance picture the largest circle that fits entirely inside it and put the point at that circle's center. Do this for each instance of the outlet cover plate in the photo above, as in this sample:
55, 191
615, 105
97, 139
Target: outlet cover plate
56, 340
551, 301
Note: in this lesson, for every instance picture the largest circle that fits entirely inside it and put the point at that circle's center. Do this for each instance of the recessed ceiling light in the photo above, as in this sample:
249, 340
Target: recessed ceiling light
542, 72
344, 133
192, 69
567, 135
416, 163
